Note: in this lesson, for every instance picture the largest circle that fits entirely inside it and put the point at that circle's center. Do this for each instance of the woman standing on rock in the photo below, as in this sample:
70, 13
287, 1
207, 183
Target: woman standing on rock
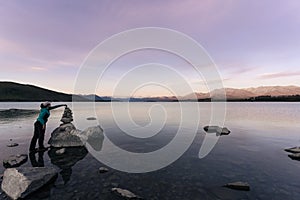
40, 126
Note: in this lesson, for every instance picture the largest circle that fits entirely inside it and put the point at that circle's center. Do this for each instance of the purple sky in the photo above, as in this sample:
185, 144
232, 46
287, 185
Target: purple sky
253, 43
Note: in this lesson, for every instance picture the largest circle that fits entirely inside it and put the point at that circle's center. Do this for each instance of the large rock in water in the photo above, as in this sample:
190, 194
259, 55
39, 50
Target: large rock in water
20, 182
65, 135
68, 136
15, 160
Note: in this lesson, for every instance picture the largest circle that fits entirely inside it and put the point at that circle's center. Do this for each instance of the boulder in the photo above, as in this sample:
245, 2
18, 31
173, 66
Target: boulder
238, 186
94, 136
20, 182
125, 193
65, 136
15, 160
295, 156
293, 150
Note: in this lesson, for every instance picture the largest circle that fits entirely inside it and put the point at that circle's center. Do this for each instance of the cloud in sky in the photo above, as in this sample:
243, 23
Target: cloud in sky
279, 75
58, 35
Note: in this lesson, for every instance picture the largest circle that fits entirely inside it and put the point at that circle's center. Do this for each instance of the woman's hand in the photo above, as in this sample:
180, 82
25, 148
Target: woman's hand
44, 126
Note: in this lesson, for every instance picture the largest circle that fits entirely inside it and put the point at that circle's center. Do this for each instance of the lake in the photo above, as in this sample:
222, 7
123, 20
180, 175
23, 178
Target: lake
253, 152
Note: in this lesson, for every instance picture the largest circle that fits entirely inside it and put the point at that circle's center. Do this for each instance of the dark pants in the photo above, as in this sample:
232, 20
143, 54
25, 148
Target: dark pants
39, 134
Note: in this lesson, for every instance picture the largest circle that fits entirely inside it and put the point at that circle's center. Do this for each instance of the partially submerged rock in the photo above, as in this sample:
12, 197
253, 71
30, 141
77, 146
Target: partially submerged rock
94, 136
103, 170
238, 186
293, 150
66, 135
91, 118
20, 182
295, 156
12, 145
15, 160
217, 129
125, 193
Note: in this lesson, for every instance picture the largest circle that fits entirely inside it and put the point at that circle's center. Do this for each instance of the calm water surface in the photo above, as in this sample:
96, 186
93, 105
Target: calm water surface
253, 153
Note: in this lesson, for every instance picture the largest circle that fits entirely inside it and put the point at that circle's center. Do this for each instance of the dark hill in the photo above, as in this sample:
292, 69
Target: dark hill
10, 91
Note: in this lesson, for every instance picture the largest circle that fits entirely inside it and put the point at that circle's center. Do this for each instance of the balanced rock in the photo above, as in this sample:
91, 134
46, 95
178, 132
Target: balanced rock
293, 150
15, 160
67, 116
125, 193
20, 182
238, 186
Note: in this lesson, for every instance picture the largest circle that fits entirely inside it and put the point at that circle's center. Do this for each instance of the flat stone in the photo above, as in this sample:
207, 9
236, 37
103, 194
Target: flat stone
103, 170
238, 186
15, 160
293, 150
12, 145
125, 193
295, 156
216, 129
20, 182
91, 118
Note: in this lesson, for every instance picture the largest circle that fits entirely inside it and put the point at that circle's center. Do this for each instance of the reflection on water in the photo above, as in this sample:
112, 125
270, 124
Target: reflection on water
253, 152
67, 159
39, 162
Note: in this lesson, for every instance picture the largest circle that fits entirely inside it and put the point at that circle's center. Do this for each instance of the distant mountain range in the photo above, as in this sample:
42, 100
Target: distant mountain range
10, 91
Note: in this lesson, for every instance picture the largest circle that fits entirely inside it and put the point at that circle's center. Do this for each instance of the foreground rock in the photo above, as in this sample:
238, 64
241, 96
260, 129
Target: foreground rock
15, 160
293, 150
216, 129
295, 156
125, 193
20, 182
238, 186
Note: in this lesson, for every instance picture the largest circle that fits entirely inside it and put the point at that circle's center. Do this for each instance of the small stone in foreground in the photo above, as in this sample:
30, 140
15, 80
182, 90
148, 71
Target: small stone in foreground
295, 156
12, 145
20, 182
238, 186
125, 193
103, 170
293, 150
15, 160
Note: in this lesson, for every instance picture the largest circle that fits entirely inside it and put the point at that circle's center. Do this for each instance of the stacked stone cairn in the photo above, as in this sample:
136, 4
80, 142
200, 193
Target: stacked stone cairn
67, 116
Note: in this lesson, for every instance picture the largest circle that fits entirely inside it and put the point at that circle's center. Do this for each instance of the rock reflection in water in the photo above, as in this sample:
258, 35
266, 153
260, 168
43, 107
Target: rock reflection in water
67, 159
